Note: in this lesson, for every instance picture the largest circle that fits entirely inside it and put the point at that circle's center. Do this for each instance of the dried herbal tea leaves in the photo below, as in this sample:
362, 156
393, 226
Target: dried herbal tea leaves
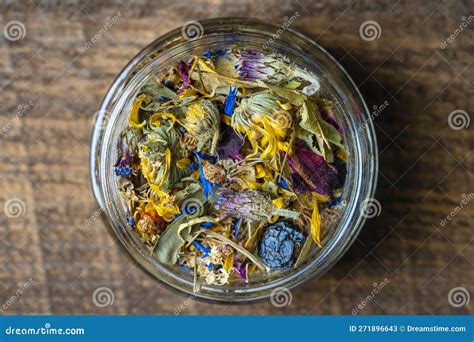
232, 165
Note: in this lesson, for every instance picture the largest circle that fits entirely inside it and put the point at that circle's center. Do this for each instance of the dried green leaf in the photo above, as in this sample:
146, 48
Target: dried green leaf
293, 96
293, 84
177, 234
325, 133
309, 138
155, 90
308, 245
188, 189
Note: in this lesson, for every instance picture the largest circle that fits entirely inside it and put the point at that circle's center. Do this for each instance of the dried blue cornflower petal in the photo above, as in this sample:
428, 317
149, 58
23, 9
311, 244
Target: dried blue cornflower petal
206, 224
122, 171
279, 245
203, 249
334, 203
282, 183
215, 53
184, 268
230, 101
341, 168
164, 99
235, 227
206, 185
130, 219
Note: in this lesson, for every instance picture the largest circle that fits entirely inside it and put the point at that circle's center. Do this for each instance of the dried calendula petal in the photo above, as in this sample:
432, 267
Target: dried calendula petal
232, 164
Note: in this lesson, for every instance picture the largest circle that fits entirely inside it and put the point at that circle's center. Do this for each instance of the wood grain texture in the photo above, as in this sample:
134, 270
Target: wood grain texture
425, 166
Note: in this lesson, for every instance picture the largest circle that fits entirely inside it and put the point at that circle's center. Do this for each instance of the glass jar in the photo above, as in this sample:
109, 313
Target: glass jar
336, 85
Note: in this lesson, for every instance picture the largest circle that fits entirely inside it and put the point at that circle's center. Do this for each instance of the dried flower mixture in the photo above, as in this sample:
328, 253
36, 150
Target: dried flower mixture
232, 164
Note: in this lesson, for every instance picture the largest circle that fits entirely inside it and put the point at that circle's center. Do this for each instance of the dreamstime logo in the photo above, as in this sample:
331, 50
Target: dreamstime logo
21, 111
109, 22
192, 206
102, 297
19, 291
100, 119
192, 30
377, 110
370, 208
185, 304
370, 30
458, 119
458, 296
466, 198
288, 21
14, 208
376, 288
280, 297
465, 22
94, 217
14, 30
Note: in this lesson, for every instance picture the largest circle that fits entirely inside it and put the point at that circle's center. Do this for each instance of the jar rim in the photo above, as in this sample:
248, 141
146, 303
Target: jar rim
363, 191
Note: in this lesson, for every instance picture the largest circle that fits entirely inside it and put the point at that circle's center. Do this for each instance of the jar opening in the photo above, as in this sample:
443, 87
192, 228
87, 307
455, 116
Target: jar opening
350, 111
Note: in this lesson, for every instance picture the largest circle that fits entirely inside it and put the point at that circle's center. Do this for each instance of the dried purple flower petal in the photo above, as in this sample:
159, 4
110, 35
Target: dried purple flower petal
183, 70
298, 184
230, 145
240, 268
330, 118
311, 172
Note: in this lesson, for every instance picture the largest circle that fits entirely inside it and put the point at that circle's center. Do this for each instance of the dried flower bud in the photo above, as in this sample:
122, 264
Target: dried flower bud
255, 66
203, 123
225, 249
216, 257
253, 109
219, 277
146, 228
214, 173
156, 156
189, 142
252, 205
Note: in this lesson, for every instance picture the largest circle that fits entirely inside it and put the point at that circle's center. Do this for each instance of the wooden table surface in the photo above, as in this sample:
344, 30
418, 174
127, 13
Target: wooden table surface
51, 87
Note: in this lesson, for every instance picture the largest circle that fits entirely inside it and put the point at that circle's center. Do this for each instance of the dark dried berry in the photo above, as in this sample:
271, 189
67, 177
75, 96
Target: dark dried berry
279, 244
